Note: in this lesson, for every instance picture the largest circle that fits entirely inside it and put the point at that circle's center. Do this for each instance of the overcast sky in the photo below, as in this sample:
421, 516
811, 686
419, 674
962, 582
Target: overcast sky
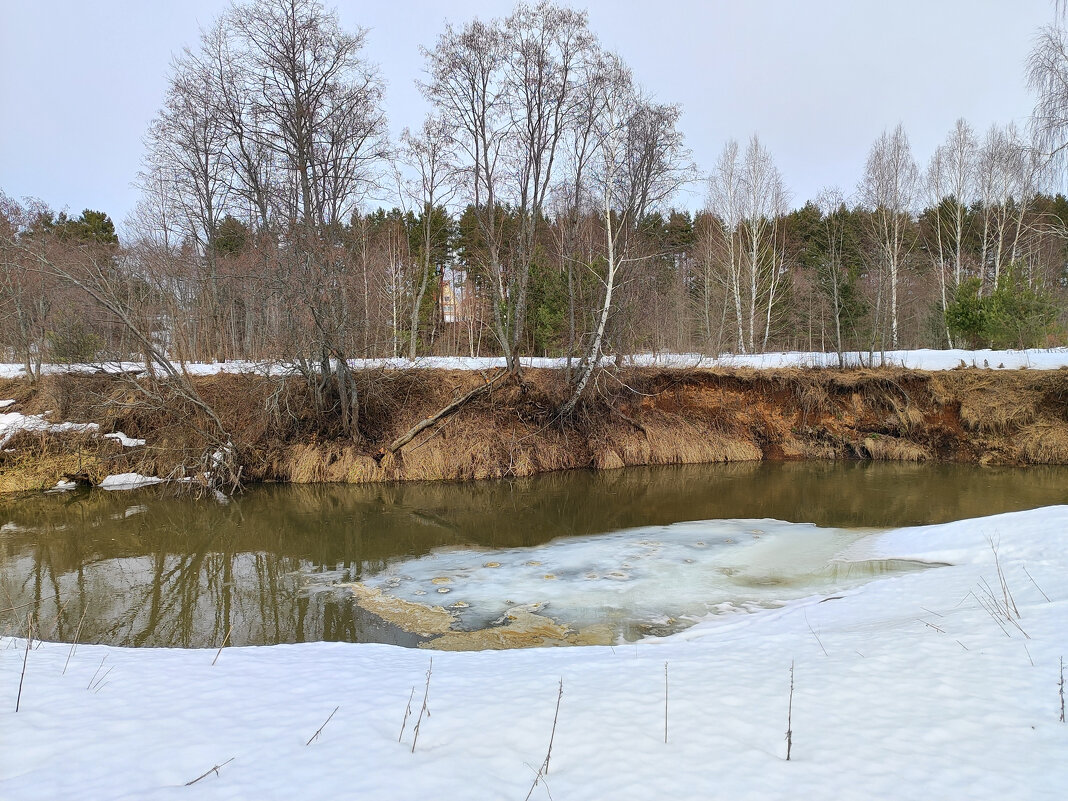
817, 80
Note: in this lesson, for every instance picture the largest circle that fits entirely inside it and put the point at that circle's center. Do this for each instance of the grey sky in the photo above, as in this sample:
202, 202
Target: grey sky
817, 80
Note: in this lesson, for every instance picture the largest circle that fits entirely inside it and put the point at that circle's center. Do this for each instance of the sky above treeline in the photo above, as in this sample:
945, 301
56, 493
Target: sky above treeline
818, 81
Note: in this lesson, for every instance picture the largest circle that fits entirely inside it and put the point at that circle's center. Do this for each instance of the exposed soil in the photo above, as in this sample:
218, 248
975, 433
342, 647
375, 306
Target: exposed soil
632, 417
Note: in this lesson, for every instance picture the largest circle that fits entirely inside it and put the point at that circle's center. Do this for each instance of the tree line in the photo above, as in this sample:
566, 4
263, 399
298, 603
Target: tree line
530, 214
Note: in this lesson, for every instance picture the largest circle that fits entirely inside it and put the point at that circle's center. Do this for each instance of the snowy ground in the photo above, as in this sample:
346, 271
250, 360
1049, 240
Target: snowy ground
905, 688
1037, 359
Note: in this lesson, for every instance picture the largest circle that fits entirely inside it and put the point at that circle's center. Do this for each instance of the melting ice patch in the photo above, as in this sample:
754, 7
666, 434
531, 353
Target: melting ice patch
638, 580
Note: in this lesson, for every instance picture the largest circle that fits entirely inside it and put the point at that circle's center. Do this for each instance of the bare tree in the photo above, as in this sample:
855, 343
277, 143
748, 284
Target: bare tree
748, 200
949, 186
888, 190
640, 162
431, 154
511, 90
277, 119
1047, 77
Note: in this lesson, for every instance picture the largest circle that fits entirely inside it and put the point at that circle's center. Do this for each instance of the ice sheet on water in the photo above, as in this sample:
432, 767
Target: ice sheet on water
650, 576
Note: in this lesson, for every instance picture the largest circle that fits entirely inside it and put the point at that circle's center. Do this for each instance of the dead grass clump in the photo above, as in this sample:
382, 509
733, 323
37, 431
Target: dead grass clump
893, 449
812, 396
1043, 443
997, 412
678, 441
607, 459
38, 461
909, 417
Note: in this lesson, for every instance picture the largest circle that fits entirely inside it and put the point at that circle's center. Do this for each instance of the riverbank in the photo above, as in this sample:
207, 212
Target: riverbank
643, 415
905, 687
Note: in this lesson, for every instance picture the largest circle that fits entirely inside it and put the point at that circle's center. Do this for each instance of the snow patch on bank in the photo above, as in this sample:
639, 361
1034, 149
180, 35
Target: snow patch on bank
12, 423
905, 688
920, 359
128, 481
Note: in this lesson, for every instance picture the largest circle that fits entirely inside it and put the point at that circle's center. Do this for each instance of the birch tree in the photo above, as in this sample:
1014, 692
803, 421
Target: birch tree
747, 198
639, 162
888, 189
949, 186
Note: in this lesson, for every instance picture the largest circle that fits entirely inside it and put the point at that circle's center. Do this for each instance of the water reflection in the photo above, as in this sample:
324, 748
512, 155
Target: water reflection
152, 570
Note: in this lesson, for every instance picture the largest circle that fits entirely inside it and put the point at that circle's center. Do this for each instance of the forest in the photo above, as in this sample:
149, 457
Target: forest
533, 213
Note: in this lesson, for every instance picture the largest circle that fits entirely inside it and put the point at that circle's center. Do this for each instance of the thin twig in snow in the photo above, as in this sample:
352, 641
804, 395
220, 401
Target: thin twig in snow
790, 715
74, 645
320, 729
932, 626
543, 771
425, 707
90, 684
1036, 586
26, 657
229, 631
407, 713
665, 702
1062, 689
814, 634
100, 682
208, 772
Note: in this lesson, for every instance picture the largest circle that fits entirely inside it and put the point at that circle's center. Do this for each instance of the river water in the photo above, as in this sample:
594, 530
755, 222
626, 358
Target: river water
621, 553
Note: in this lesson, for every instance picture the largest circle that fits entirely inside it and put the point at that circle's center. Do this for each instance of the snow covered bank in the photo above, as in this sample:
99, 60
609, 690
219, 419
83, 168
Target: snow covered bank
905, 688
924, 359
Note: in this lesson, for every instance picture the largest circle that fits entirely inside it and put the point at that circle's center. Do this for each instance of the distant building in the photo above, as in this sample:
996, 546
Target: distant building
456, 306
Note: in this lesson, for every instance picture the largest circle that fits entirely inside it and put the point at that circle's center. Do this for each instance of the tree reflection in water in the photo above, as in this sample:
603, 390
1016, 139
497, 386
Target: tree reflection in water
149, 569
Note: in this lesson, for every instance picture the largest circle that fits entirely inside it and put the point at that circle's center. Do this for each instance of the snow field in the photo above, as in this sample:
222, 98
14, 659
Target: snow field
885, 706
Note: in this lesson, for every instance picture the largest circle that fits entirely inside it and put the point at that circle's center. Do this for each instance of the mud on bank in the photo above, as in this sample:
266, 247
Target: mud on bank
632, 417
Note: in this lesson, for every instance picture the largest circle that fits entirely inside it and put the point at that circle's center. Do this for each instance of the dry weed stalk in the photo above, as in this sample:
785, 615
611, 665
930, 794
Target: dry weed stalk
98, 667
229, 631
814, 634
1036, 585
214, 769
543, 771
74, 645
407, 714
320, 729
424, 708
26, 657
665, 702
1008, 601
1061, 688
790, 716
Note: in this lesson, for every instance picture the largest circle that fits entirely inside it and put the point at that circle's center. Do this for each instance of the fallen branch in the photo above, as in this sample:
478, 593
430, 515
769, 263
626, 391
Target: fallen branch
423, 425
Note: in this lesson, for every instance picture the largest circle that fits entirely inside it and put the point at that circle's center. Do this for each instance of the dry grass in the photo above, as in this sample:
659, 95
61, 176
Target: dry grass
1043, 443
632, 417
893, 449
